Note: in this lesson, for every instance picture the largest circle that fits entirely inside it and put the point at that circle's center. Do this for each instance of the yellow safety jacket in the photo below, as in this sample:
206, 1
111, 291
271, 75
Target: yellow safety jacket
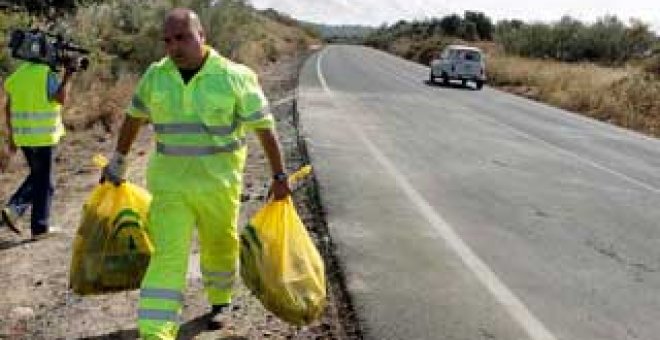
35, 120
200, 126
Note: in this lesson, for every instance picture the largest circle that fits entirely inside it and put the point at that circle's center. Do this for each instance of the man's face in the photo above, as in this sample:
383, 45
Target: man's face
183, 43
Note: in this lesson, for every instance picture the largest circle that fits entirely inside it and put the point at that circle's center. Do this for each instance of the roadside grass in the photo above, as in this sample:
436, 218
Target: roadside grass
625, 96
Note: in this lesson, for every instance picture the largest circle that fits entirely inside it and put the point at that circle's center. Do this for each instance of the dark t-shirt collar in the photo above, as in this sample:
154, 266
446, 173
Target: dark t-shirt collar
188, 74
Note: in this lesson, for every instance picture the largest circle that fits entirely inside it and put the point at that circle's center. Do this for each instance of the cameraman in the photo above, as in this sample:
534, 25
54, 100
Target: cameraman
34, 103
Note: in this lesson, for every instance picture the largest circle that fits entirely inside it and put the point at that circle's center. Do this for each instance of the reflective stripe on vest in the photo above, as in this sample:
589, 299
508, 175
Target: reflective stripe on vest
34, 116
199, 128
192, 120
33, 130
195, 128
194, 150
35, 119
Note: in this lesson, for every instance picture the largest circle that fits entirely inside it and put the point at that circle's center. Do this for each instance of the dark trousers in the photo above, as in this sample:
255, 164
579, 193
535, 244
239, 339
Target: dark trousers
37, 189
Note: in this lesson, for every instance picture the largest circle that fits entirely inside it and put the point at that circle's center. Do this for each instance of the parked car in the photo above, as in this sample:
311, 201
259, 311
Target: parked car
459, 62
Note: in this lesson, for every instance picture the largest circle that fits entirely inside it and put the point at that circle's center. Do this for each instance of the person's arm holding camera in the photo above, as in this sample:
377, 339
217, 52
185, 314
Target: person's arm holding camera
59, 91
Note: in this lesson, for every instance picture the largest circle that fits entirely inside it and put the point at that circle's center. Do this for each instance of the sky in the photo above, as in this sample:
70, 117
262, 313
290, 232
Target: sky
376, 12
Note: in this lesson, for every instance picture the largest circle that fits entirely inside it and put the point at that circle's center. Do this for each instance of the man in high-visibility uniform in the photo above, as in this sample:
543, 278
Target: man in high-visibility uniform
201, 106
34, 123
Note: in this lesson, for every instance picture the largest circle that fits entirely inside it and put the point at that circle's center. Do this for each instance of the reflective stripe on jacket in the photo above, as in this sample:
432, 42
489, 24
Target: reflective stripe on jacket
35, 120
200, 126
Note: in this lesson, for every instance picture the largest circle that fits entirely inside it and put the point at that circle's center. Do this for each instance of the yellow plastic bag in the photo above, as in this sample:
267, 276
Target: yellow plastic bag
280, 264
112, 249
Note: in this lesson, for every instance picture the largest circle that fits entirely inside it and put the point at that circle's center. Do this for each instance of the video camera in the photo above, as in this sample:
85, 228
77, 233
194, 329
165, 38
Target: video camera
45, 48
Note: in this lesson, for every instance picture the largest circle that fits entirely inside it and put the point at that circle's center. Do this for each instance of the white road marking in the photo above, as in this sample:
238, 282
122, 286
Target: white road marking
509, 301
594, 164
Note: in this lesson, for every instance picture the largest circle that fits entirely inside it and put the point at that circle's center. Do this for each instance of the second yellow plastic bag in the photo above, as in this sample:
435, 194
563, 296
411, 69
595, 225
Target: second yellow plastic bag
281, 265
112, 249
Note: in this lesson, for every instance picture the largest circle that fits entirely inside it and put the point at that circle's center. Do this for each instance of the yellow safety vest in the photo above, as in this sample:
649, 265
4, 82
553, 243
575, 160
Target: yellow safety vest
35, 120
200, 126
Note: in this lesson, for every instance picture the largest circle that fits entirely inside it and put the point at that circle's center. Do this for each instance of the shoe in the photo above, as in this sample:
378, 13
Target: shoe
8, 218
217, 317
52, 232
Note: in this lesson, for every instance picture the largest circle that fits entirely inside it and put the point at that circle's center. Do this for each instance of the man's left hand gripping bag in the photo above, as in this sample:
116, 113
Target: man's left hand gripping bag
112, 248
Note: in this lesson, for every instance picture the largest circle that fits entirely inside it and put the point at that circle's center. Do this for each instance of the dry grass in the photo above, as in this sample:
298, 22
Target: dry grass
626, 96
94, 99
276, 40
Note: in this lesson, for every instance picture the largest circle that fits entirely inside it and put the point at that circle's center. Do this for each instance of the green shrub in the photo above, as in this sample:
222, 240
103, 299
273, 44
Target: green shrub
608, 40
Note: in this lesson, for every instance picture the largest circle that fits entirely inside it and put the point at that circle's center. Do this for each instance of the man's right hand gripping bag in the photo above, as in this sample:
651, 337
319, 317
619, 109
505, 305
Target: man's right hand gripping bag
112, 248
280, 264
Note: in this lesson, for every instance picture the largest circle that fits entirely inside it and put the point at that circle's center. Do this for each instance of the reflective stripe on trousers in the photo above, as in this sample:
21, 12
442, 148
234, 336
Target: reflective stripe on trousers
158, 315
172, 218
160, 304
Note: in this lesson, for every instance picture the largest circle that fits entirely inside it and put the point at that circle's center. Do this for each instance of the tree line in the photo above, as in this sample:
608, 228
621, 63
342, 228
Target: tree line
608, 40
471, 26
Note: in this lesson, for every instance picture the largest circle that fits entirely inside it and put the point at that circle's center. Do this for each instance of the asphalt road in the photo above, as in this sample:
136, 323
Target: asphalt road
461, 214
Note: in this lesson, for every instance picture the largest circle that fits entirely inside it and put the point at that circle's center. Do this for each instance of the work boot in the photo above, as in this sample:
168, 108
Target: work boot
52, 232
9, 217
217, 317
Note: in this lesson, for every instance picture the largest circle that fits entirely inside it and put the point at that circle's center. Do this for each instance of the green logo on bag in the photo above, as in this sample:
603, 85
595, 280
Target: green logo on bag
251, 236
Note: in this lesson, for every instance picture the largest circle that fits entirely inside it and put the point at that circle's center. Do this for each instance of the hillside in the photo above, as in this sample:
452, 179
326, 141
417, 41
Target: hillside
123, 36
607, 70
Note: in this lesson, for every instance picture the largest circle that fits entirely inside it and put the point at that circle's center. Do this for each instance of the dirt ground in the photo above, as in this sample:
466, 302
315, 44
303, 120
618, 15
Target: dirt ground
35, 302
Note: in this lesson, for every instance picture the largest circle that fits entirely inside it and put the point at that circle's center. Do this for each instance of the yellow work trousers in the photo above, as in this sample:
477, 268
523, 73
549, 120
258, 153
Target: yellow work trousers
172, 217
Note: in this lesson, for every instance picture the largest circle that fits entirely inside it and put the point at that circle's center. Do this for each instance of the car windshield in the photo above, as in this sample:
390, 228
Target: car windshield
471, 55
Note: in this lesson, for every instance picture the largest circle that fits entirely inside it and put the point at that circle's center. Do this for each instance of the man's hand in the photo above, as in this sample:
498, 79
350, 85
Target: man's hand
115, 171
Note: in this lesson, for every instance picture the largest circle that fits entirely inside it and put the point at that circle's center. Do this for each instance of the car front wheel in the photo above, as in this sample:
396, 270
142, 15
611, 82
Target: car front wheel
445, 79
479, 84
